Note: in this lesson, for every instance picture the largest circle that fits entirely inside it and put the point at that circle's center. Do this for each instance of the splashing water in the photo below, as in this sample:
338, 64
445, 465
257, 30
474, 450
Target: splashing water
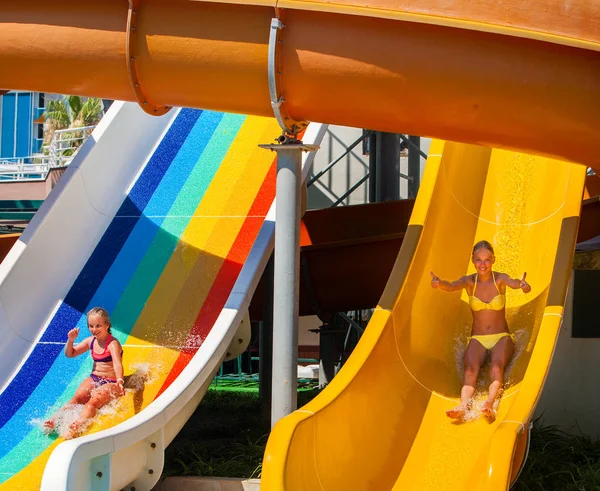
517, 183
193, 341
62, 420
142, 375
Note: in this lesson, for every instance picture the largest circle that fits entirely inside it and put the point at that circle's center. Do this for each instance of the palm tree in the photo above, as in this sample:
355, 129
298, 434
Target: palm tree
71, 112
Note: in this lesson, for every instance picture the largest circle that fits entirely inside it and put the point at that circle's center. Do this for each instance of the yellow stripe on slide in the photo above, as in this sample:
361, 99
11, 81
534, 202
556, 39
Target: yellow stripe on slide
30, 478
152, 322
206, 242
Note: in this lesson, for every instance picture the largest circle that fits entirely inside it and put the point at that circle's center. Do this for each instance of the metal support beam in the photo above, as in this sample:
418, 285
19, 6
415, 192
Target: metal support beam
352, 322
388, 167
414, 165
326, 355
287, 276
342, 198
265, 346
373, 167
411, 143
329, 166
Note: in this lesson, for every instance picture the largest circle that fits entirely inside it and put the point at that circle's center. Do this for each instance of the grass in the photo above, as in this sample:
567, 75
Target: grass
226, 437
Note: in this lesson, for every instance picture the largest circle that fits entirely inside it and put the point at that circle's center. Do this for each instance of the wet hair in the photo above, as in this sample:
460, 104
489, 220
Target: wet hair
102, 313
483, 244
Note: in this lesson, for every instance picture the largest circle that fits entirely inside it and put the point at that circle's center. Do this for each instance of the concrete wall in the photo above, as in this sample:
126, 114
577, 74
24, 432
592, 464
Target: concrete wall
305, 336
571, 396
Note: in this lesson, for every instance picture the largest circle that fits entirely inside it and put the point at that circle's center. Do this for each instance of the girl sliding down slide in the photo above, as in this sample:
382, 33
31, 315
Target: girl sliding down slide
486, 290
105, 383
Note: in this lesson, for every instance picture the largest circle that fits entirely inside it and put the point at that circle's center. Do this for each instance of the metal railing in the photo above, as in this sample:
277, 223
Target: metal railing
65, 144
20, 170
58, 153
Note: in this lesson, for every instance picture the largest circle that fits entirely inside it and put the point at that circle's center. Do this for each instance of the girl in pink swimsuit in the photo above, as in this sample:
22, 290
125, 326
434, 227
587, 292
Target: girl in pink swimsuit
486, 290
105, 383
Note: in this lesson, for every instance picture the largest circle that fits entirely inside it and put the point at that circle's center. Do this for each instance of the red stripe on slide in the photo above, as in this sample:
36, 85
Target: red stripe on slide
228, 274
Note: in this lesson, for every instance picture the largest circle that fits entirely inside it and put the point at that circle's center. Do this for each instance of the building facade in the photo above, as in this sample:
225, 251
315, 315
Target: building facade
21, 124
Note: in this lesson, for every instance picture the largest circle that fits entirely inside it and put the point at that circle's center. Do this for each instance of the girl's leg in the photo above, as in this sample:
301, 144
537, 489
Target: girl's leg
100, 397
84, 392
501, 355
82, 396
474, 357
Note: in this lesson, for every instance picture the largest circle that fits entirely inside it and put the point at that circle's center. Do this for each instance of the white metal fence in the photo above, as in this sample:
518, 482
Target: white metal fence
59, 153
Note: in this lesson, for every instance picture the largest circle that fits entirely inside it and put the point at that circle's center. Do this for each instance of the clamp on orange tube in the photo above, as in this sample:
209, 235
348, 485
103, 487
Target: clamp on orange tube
287, 123
132, 71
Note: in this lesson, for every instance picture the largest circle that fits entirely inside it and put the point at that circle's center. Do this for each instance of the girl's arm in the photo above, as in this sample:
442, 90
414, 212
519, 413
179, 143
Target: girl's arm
516, 284
448, 286
115, 351
73, 351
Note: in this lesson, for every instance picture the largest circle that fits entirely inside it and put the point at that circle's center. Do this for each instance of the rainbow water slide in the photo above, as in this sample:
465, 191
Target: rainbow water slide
381, 423
515, 75
163, 222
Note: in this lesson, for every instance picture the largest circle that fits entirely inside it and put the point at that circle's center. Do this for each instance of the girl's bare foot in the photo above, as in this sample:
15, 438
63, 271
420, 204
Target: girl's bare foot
75, 429
49, 426
488, 407
488, 411
459, 411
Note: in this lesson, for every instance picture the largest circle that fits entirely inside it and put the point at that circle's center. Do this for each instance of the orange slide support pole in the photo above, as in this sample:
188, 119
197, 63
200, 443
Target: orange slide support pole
500, 81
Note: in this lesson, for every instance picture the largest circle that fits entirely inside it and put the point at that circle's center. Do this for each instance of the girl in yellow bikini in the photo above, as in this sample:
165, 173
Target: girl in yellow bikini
486, 290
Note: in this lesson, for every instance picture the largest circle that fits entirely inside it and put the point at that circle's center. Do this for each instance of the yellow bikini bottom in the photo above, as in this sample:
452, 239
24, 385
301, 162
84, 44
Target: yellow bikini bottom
488, 341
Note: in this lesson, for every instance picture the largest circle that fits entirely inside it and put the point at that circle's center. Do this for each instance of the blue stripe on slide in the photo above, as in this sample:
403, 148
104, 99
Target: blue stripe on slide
72, 308
52, 386
159, 253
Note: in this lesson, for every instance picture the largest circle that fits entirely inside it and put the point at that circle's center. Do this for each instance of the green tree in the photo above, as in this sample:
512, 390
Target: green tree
71, 112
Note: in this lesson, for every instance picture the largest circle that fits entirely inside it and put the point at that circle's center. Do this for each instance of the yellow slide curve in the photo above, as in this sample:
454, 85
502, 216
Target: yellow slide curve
381, 423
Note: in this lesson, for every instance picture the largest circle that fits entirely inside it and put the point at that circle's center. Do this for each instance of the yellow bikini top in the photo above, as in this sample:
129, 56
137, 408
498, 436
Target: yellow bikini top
496, 303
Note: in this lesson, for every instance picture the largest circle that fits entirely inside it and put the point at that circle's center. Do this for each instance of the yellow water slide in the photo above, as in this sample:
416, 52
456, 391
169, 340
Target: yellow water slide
517, 75
381, 423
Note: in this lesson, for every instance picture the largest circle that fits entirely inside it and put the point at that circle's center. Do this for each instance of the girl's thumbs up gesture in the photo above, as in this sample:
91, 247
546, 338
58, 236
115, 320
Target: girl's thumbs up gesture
524, 285
435, 281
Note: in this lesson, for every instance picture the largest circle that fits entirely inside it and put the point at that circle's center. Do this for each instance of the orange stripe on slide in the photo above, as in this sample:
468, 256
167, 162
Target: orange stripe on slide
228, 274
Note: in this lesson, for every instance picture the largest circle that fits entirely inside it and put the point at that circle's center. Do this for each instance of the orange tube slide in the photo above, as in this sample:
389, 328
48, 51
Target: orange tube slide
515, 76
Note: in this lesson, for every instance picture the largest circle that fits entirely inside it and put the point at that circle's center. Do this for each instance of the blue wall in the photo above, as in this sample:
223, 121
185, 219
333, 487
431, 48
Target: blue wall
19, 133
8, 125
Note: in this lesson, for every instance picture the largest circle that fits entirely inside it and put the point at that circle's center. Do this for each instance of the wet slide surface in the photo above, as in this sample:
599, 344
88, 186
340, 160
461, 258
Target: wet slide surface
164, 268
381, 423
